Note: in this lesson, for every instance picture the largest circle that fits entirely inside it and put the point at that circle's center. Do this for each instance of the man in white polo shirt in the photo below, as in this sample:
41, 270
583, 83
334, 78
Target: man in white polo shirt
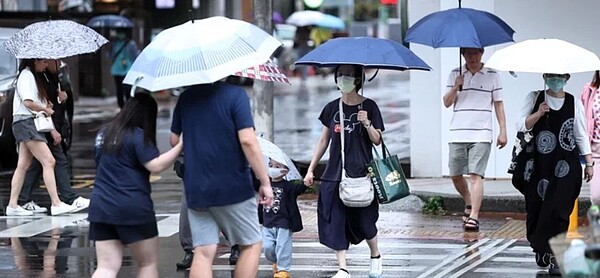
472, 95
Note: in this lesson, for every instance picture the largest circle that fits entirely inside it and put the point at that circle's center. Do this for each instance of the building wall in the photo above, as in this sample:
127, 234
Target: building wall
572, 21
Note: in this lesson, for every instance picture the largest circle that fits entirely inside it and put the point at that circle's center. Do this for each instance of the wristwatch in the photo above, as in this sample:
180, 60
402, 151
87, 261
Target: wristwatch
590, 164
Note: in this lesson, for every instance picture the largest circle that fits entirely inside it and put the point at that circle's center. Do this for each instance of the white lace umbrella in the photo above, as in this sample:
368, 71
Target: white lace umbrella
544, 56
200, 51
54, 39
270, 150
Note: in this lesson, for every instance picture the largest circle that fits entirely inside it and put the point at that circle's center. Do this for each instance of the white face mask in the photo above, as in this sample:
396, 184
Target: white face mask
346, 83
275, 172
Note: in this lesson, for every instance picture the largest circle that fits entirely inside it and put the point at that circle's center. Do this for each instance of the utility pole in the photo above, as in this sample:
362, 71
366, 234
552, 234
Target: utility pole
262, 99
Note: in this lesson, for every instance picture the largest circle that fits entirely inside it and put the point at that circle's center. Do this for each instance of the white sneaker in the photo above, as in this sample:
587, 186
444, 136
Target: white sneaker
18, 211
62, 208
376, 268
341, 274
81, 204
35, 208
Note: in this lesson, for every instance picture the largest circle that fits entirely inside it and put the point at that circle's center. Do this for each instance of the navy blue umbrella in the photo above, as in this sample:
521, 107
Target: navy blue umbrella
460, 27
363, 51
110, 21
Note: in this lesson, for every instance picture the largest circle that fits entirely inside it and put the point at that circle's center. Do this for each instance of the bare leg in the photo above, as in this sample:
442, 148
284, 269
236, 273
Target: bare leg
476, 194
109, 254
203, 260
16, 183
145, 253
373, 246
341, 257
42, 153
247, 263
461, 185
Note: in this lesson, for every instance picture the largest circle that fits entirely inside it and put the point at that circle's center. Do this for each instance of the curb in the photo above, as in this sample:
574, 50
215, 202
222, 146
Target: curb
503, 204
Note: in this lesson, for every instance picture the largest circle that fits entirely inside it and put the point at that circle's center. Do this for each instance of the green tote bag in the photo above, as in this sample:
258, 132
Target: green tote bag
387, 177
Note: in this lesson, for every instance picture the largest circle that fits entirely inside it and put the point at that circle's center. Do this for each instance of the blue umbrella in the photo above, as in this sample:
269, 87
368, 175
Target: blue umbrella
363, 51
460, 27
110, 21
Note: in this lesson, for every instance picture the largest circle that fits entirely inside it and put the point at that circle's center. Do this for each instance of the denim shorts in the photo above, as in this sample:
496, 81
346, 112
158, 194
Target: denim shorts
24, 130
238, 222
468, 158
127, 234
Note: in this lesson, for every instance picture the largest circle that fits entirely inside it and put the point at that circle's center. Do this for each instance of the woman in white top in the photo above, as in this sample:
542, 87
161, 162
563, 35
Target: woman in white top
553, 175
31, 97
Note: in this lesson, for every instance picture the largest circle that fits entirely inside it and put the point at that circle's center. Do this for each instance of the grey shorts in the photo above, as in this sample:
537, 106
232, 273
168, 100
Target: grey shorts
468, 158
24, 130
238, 222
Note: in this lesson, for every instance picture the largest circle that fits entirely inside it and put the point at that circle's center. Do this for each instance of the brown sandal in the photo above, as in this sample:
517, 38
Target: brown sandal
472, 224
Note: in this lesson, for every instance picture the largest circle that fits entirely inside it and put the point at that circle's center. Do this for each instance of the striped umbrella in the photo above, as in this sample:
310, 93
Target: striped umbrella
268, 71
200, 51
54, 39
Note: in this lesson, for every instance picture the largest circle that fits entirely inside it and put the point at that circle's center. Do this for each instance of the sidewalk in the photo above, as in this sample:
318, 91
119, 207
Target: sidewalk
499, 195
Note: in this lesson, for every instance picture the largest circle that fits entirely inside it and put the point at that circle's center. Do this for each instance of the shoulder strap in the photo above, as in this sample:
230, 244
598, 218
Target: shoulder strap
342, 131
120, 50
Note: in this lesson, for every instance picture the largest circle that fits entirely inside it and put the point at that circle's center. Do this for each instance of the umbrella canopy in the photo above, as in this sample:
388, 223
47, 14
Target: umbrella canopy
309, 18
268, 71
54, 39
460, 27
364, 51
110, 21
544, 56
200, 51
270, 150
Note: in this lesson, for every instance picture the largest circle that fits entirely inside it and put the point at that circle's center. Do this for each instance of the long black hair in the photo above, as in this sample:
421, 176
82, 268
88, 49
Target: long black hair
139, 111
30, 63
358, 74
596, 79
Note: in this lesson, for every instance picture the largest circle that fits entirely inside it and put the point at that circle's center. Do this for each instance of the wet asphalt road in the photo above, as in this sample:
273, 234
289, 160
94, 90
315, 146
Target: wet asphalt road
412, 244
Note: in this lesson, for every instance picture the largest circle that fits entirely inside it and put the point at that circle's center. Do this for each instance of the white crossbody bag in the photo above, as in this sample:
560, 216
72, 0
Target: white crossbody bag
354, 192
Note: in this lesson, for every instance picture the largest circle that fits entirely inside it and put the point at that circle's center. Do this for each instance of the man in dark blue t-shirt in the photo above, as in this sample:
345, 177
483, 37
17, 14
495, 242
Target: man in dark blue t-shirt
219, 143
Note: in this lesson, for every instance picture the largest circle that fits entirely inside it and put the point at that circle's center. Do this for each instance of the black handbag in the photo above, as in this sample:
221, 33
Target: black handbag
521, 165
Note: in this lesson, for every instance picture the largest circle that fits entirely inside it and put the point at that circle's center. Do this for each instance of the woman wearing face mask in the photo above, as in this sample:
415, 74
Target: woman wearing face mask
338, 224
557, 122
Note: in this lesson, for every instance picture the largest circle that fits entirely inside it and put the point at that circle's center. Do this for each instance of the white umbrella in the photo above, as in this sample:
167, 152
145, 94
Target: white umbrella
200, 51
544, 56
270, 150
54, 39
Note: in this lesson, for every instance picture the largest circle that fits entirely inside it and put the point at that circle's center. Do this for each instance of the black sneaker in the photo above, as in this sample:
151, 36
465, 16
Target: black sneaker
542, 259
553, 269
234, 255
187, 260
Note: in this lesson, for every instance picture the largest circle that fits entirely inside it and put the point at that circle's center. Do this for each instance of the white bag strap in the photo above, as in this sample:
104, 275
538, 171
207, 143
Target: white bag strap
342, 131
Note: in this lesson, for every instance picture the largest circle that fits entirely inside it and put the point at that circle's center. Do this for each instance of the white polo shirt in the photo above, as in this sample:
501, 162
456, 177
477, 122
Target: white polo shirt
472, 117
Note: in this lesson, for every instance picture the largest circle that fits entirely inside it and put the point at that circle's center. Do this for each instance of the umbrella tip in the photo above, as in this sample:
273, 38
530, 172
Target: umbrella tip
459, 4
191, 15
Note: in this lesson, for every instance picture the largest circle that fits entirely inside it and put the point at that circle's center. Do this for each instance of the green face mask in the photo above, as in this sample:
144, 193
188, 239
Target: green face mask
556, 83
346, 83
121, 36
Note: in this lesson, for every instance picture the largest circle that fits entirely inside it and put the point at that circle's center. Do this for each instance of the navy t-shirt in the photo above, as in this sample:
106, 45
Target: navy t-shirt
216, 170
357, 143
121, 194
284, 206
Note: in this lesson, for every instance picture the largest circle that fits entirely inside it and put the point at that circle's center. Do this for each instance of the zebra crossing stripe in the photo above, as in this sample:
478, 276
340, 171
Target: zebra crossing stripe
450, 259
484, 258
331, 255
169, 226
330, 268
41, 225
